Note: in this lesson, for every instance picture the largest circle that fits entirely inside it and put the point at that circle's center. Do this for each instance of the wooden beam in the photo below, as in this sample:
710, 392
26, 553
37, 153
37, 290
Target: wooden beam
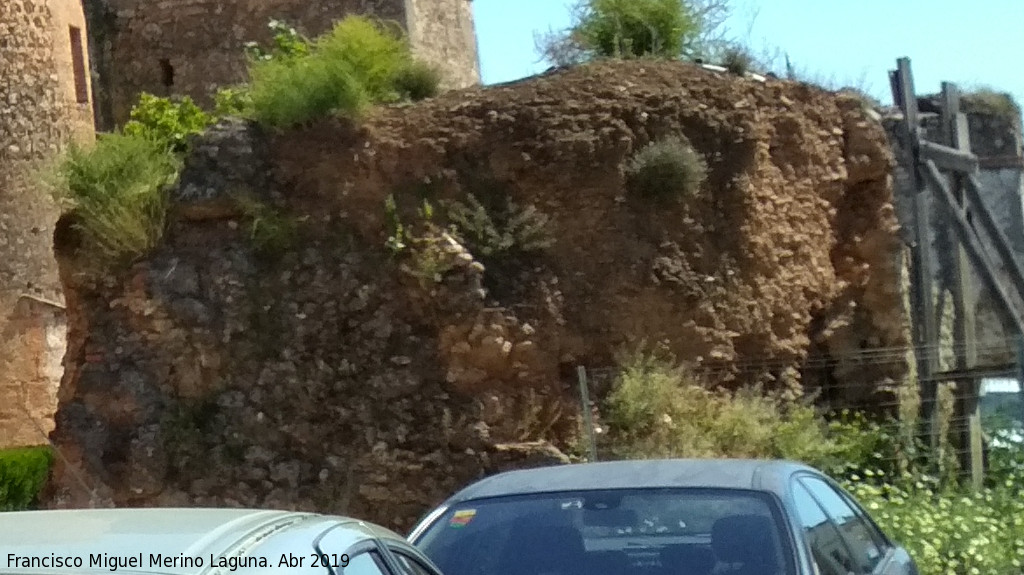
974, 248
996, 233
926, 330
949, 159
955, 133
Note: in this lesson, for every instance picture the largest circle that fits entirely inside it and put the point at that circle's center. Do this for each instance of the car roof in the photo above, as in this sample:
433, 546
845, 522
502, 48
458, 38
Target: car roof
751, 474
168, 531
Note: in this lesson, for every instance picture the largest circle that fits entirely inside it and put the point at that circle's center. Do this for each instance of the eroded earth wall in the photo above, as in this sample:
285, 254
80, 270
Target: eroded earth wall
285, 356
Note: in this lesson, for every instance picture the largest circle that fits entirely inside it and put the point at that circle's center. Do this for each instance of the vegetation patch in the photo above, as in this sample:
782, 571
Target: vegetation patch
117, 189
504, 230
668, 168
23, 473
270, 231
660, 409
358, 63
992, 103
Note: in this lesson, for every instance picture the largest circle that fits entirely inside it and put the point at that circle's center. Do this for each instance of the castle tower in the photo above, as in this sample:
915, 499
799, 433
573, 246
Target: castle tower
191, 47
44, 101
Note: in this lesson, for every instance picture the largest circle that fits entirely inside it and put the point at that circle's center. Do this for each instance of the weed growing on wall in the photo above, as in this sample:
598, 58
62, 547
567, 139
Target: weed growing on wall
358, 63
23, 472
668, 168
118, 191
270, 231
501, 231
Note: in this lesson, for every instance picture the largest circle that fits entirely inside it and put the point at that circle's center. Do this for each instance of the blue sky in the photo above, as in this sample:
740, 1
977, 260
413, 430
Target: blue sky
971, 43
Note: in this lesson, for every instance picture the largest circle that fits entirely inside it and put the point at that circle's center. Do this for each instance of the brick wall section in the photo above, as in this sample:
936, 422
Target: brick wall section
31, 352
202, 41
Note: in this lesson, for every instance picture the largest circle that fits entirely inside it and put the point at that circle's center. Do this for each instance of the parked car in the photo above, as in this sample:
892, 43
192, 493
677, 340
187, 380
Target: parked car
664, 517
194, 541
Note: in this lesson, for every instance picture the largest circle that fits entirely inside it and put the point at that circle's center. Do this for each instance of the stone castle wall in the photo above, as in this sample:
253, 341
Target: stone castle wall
31, 355
442, 31
39, 111
191, 47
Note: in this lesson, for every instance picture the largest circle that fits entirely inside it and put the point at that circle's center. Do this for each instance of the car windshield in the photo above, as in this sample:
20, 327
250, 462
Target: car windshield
619, 532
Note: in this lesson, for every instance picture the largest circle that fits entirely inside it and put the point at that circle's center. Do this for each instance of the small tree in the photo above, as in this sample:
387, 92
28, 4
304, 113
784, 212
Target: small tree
635, 28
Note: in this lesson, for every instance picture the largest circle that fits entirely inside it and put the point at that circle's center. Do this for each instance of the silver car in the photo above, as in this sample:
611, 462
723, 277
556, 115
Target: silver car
668, 517
201, 541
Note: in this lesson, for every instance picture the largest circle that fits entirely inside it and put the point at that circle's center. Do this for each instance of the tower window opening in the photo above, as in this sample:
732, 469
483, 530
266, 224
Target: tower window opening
78, 65
166, 72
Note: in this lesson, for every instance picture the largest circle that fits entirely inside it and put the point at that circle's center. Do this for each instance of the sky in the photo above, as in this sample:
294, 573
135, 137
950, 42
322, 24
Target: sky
842, 43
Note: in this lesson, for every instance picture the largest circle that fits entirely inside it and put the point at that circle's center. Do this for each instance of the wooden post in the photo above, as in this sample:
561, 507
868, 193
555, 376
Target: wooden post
925, 333
955, 133
581, 375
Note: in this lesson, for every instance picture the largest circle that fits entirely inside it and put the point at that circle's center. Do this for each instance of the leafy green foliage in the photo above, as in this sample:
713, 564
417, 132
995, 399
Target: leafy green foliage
668, 168
359, 62
232, 101
167, 121
23, 472
117, 189
502, 231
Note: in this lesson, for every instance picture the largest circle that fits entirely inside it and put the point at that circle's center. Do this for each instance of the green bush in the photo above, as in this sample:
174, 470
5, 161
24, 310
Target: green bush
499, 231
22, 474
166, 121
635, 28
658, 409
285, 92
668, 168
359, 62
418, 81
117, 189
375, 54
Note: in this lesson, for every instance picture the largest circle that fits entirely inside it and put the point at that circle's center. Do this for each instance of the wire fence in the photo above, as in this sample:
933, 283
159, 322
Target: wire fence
987, 398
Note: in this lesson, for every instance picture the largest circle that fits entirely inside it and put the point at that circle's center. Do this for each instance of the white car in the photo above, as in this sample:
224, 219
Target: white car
201, 541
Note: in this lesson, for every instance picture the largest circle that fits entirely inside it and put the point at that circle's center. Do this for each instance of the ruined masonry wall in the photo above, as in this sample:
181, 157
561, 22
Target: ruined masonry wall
191, 47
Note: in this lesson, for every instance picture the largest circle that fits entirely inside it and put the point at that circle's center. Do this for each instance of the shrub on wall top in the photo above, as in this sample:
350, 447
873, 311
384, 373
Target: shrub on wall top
359, 62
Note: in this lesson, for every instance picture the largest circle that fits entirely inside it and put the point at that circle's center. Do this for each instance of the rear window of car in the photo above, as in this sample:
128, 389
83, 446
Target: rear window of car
620, 532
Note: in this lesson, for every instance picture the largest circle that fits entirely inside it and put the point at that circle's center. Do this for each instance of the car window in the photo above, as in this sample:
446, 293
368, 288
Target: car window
410, 565
366, 563
827, 547
625, 531
863, 545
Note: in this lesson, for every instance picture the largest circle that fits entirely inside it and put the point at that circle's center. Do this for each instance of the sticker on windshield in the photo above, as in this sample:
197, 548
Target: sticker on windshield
462, 518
